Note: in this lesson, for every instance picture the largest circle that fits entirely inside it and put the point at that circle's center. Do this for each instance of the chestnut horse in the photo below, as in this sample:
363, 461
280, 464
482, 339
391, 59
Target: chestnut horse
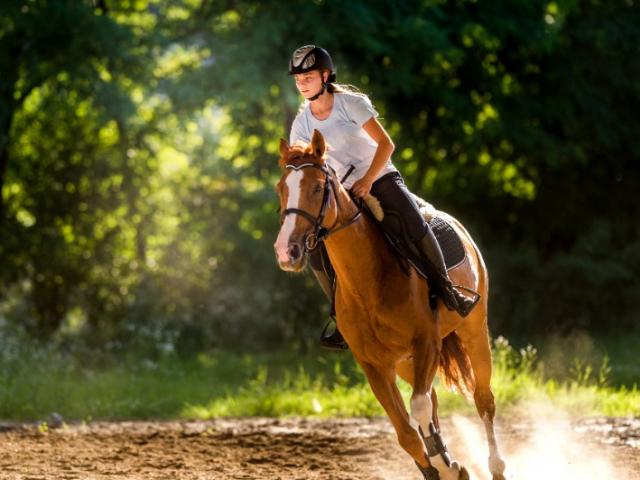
384, 314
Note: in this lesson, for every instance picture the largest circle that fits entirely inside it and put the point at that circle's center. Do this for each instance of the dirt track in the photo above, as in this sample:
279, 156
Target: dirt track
291, 449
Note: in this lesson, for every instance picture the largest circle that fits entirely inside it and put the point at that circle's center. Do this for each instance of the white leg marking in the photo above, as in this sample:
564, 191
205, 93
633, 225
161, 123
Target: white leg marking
496, 464
282, 242
422, 413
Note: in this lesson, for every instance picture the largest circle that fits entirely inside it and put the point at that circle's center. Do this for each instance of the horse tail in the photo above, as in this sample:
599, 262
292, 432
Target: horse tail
455, 367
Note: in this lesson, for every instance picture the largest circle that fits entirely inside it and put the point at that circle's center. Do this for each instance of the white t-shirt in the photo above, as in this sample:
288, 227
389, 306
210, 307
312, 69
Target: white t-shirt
347, 142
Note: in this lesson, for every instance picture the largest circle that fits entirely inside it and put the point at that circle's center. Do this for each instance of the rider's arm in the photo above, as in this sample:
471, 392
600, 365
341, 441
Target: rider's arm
385, 147
384, 150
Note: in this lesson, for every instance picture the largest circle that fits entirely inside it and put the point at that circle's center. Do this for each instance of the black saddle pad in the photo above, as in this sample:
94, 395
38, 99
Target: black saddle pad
397, 239
449, 241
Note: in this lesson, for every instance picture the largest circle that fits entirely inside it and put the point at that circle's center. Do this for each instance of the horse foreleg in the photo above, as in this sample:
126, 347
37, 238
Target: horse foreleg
383, 385
405, 371
423, 410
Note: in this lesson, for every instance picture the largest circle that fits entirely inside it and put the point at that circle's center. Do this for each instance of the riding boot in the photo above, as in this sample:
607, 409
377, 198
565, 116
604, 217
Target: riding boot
451, 296
330, 338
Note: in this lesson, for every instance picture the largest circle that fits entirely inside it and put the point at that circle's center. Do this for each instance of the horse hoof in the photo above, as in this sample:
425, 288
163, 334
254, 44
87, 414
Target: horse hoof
464, 475
498, 476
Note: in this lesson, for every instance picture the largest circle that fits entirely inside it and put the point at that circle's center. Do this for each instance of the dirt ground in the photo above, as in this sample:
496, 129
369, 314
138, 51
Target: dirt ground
291, 449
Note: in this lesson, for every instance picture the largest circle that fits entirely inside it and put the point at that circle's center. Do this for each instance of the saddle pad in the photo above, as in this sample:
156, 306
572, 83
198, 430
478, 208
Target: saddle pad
450, 243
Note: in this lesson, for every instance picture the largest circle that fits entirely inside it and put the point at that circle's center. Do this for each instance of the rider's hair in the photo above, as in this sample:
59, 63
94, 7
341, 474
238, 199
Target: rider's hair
344, 88
335, 87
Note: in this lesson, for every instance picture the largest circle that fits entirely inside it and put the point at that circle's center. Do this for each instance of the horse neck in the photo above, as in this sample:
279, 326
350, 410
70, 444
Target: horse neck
357, 251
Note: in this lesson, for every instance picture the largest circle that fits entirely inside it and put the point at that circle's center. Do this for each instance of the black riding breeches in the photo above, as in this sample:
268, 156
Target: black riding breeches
401, 214
395, 198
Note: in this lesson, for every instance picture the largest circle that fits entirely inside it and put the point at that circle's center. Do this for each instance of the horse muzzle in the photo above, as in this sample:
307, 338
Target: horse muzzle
290, 257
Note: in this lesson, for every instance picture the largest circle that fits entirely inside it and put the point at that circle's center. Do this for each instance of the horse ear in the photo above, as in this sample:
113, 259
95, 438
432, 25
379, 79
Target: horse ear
317, 144
284, 152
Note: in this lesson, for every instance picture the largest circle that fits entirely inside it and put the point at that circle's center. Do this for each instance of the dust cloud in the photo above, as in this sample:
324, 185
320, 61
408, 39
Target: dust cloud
542, 445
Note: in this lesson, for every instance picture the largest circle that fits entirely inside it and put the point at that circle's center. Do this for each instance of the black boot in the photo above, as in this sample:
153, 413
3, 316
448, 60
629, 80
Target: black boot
330, 338
451, 296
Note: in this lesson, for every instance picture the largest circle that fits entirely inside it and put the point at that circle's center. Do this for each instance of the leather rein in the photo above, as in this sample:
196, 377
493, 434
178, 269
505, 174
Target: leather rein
320, 233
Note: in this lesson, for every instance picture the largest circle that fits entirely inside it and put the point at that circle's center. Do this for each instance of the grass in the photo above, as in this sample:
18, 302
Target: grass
35, 382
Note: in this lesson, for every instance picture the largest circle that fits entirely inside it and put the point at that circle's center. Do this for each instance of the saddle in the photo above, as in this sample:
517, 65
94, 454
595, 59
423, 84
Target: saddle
405, 251
395, 233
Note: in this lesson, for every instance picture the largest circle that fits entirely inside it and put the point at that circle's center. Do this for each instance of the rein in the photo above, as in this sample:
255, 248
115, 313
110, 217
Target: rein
320, 233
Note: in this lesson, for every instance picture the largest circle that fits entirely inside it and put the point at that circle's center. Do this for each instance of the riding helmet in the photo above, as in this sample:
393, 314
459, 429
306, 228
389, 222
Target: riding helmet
311, 57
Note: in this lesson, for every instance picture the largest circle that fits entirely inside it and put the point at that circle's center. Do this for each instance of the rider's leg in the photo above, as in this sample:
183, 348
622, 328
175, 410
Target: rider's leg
321, 268
453, 299
393, 194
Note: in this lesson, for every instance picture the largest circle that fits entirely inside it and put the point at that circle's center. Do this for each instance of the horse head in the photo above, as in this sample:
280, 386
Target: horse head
307, 205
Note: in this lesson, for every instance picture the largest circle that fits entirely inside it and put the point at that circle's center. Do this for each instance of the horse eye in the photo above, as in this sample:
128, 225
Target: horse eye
318, 188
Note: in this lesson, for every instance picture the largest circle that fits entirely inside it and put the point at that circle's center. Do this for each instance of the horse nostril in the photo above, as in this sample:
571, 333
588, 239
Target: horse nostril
295, 252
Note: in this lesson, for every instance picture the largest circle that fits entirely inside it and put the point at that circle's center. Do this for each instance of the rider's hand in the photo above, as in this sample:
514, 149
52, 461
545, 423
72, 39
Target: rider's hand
362, 187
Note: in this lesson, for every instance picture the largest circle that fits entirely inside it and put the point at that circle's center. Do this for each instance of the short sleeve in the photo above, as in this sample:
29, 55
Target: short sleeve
359, 108
299, 132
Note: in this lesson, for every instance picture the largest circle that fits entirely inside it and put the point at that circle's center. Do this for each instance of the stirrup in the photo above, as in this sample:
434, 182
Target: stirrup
465, 304
333, 340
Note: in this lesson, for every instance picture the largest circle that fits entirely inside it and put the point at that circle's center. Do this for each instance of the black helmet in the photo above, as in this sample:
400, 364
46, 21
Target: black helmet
309, 58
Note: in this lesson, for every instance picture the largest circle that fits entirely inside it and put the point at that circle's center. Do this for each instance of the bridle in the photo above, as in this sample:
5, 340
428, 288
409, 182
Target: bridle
320, 233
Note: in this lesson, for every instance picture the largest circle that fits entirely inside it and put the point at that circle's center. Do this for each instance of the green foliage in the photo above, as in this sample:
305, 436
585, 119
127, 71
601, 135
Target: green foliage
138, 144
589, 286
84, 384
295, 394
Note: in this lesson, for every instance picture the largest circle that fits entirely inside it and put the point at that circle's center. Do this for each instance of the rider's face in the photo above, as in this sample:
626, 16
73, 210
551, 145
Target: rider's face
308, 83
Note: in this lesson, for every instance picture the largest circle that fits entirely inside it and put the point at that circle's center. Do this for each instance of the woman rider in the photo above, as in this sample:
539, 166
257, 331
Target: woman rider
358, 143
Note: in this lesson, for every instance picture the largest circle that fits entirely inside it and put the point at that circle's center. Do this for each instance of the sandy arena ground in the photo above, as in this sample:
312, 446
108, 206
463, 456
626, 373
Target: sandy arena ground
288, 449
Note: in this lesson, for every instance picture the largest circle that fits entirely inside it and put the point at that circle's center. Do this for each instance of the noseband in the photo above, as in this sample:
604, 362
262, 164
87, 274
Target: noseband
320, 233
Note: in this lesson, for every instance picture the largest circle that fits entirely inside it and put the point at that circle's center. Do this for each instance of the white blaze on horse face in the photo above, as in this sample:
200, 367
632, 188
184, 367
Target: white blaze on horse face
282, 242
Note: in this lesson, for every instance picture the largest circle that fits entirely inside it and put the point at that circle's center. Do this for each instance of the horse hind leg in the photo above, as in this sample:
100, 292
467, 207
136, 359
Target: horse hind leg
423, 411
485, 405
464, 475
434, 402
479, 352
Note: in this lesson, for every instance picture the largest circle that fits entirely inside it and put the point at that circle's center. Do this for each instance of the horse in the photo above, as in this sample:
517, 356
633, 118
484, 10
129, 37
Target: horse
383, 313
